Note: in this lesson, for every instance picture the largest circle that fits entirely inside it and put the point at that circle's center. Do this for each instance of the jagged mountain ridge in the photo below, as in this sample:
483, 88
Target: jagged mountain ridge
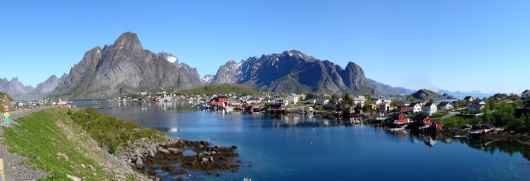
15, 88
294, 71
19, 91
387, 89
123, 68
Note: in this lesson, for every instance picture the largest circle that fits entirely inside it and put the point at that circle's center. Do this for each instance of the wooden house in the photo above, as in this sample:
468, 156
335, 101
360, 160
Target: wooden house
384, 106
403, 108
414, 108
469, 98
398, 119
475, 106
423, 120
219, 101
438, 125
277, 108
429, 108
445, 106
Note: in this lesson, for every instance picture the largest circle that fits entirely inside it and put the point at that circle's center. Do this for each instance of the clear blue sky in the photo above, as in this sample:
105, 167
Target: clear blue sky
452, 44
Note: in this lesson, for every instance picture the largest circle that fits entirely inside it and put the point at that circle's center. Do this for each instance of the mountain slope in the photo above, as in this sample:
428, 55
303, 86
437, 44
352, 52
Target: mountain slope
293, 71
122, 68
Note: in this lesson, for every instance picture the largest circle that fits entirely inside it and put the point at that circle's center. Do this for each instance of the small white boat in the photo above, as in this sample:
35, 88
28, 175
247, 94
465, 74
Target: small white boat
459, 136
396, 129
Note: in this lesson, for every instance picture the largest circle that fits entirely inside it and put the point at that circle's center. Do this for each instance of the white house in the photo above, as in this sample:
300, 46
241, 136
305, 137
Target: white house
415, 107
376, 101
293, 99
311, 101
384, 106
338, 100
475, 105
429, 109
321, 101
283, 101
359, 100
445, 106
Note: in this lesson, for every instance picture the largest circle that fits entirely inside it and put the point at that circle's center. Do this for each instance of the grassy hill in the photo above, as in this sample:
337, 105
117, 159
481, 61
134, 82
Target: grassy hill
221, 89
68, 141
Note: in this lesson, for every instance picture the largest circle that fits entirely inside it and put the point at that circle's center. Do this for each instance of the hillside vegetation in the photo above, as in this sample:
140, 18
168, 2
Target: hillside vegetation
76, 142
221, 89
4, 98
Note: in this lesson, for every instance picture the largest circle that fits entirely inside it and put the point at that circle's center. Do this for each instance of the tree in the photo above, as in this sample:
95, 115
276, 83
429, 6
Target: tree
334, 96
347, 99
310, 96
367, 107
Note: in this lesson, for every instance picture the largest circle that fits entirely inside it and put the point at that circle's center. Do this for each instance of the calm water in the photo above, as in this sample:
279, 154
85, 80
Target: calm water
301, 148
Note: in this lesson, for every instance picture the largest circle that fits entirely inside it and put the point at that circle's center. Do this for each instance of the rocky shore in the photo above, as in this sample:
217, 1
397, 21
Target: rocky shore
177, 156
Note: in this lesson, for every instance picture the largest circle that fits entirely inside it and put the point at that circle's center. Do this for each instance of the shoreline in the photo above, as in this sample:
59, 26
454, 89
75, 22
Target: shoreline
123, 165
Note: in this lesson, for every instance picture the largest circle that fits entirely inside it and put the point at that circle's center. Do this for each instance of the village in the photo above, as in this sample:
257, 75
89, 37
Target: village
393, 112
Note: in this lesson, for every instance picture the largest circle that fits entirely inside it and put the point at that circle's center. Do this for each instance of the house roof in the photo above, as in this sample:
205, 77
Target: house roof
526, 92
413, 104
429, 104
420, 118
478, 102
489, 125
468, 97
438, 122
444, 103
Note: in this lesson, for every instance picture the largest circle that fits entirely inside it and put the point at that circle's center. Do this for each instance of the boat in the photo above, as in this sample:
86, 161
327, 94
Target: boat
396, 129
460, 136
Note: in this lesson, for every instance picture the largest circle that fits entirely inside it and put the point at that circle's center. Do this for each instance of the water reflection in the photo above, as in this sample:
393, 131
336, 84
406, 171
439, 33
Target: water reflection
488, 146
335, 144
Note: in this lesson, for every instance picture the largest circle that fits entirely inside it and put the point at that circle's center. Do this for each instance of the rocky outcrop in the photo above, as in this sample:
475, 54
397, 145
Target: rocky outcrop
123, 68
424, 94
293, 71
146, 157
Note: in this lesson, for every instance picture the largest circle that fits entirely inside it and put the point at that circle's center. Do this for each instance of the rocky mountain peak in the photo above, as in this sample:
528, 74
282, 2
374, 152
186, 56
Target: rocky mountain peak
128, 41
293, 71
298, 54
124, 68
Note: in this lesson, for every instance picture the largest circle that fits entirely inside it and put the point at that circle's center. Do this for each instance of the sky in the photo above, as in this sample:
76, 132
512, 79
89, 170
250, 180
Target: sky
453, 45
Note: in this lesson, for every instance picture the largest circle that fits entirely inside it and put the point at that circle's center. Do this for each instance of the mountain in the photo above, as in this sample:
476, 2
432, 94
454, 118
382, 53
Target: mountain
293, 71
387, 89
16, 89
186, 71
48, 86
207, 79
123, 68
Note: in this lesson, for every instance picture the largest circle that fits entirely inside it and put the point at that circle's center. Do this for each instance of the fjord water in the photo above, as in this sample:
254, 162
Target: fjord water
303, 148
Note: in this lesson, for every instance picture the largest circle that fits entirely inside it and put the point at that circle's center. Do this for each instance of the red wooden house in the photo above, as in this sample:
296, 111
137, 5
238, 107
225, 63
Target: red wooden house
398, 118
423, 120
438, 125
219, 101
403, 108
